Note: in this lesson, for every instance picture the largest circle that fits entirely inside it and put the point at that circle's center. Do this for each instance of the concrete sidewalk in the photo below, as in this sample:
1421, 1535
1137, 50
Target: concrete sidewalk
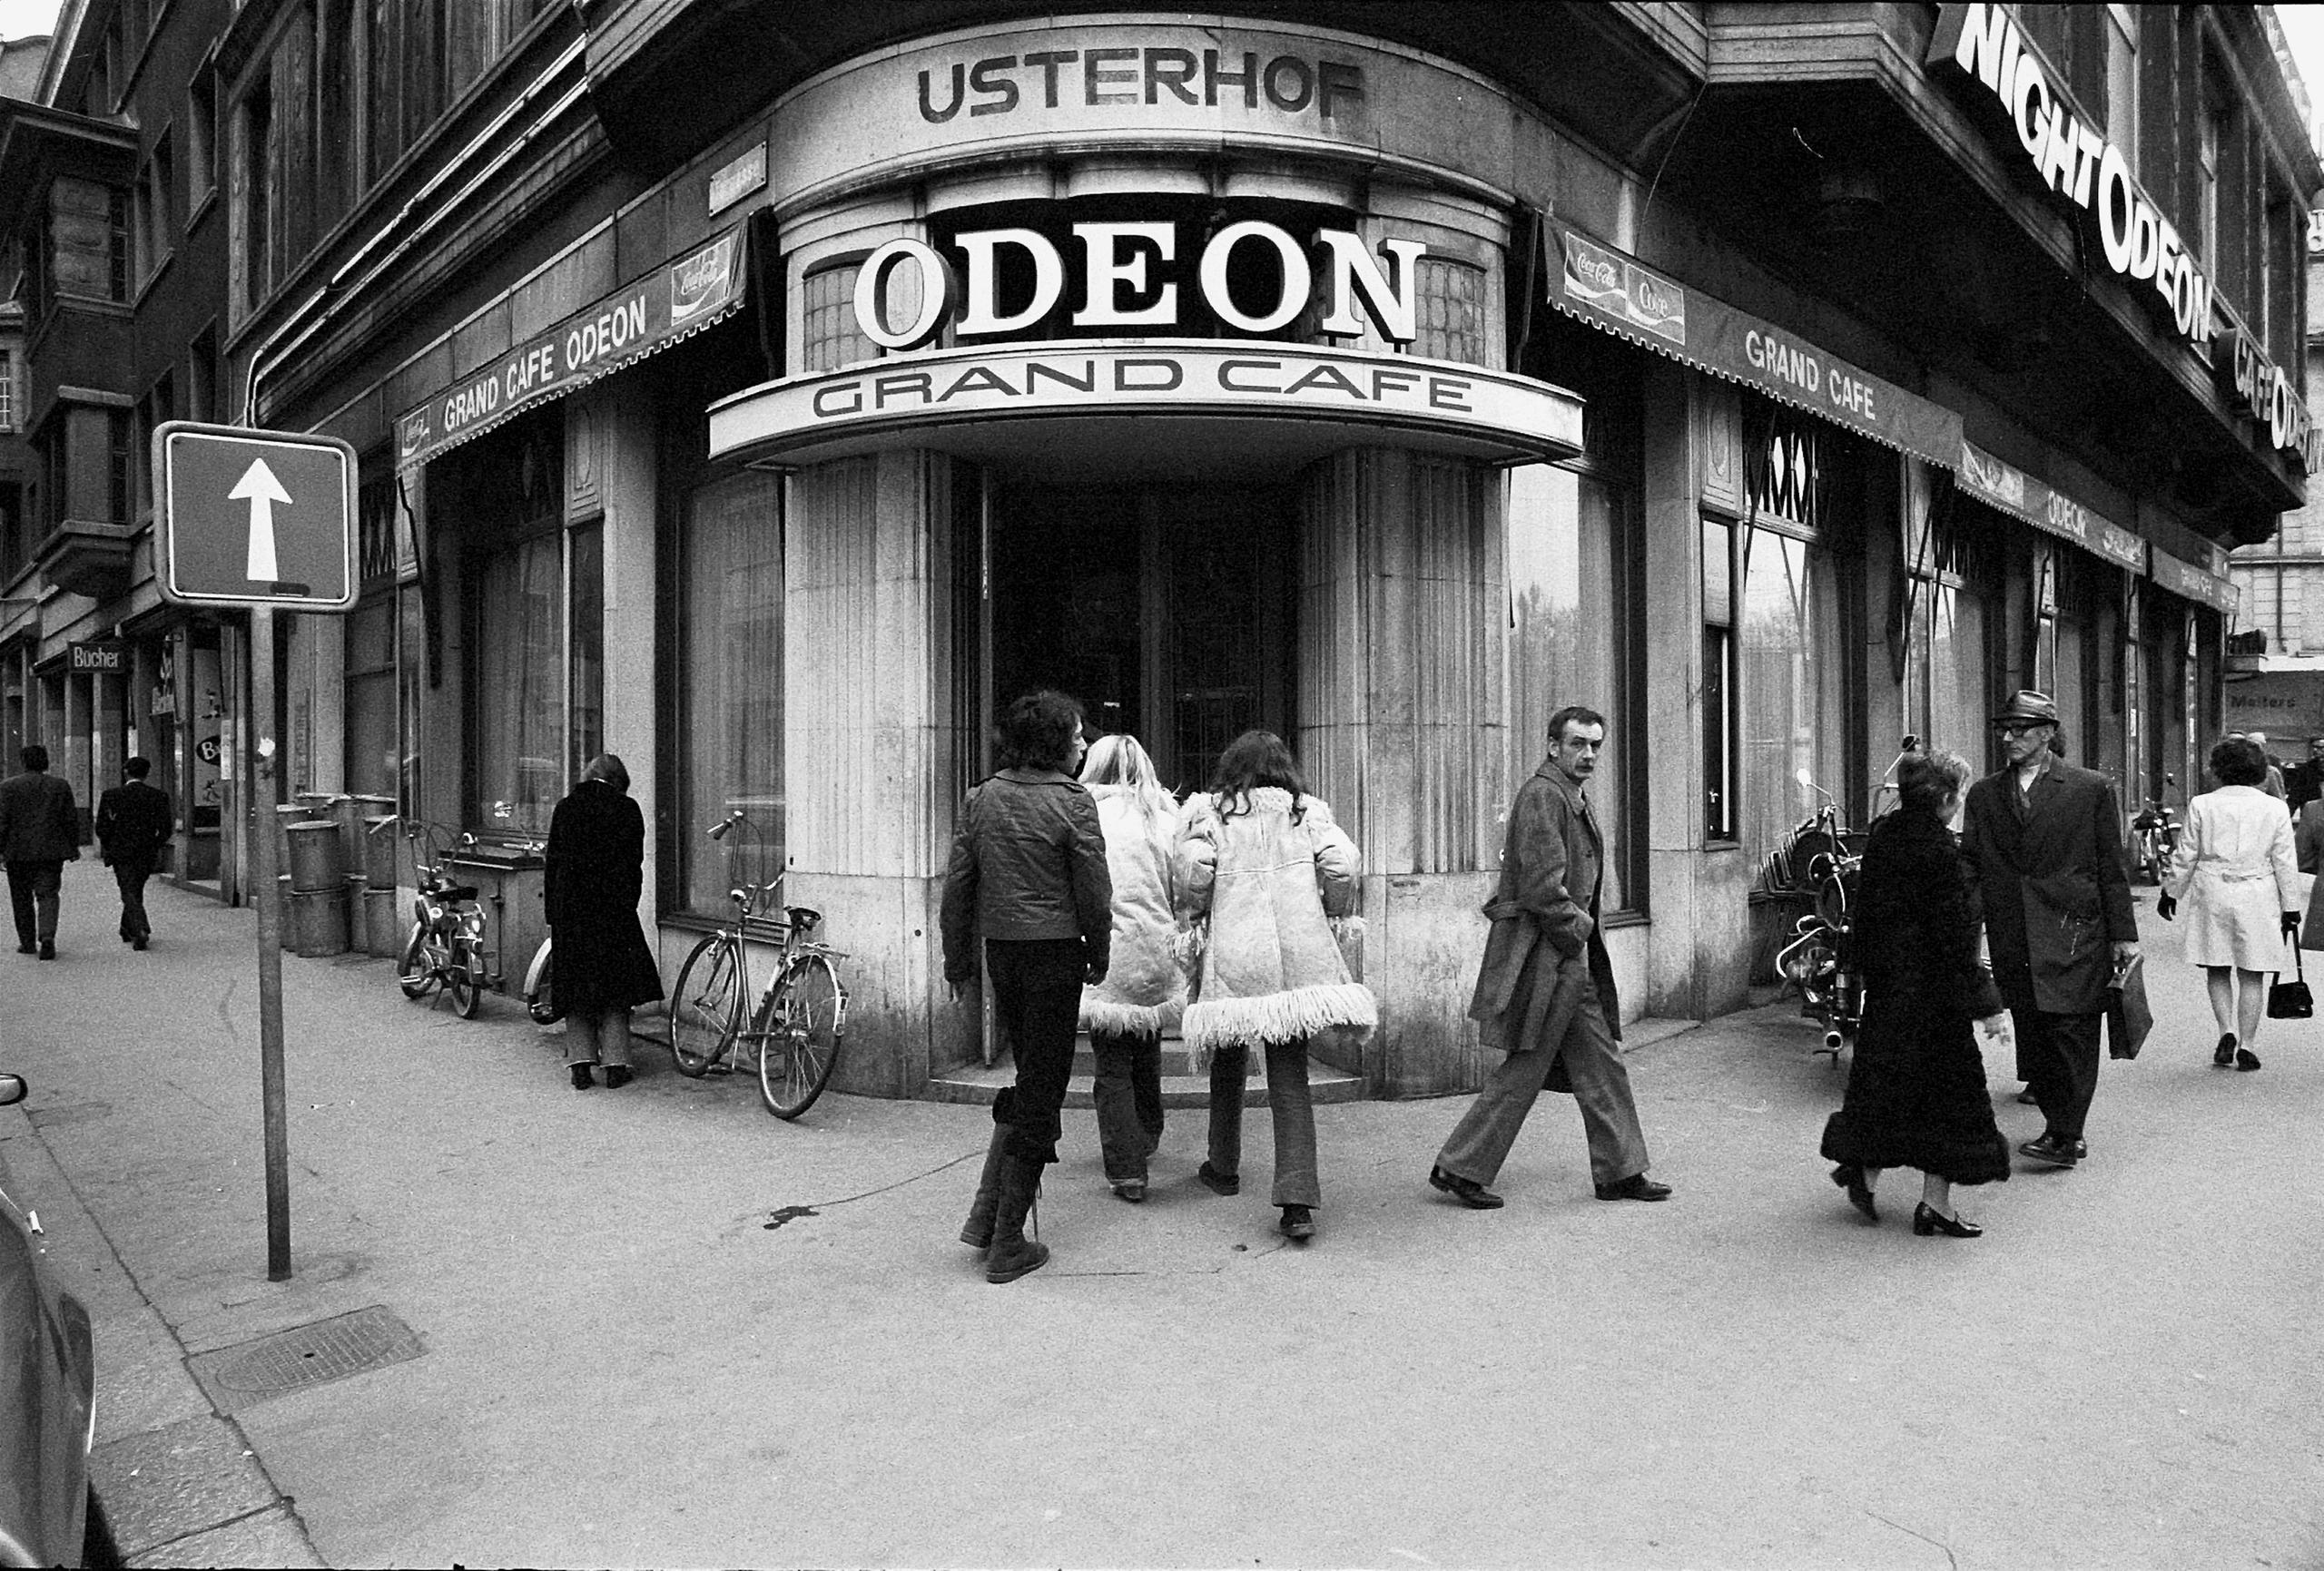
655, 1326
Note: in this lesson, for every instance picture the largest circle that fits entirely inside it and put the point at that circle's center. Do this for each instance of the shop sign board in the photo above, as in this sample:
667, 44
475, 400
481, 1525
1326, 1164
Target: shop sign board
105, 657
1982, 42
1610, 289
668, 304
249, 517
1121, 265
1144, 377
739, 176
2254, 382
1146, 82
2189, 582
2013, 491
2287, 706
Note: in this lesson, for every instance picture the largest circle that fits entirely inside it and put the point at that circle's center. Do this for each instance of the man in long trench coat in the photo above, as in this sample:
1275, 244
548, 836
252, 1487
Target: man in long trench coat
2043, 842
1545, 993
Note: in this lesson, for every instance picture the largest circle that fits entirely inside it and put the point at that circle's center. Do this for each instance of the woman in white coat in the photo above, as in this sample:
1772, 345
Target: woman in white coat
2238, 880
1143, 992
1264, 868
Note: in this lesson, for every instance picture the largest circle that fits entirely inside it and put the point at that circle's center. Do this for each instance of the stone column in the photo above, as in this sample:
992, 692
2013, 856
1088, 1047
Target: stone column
872, 742
1402, 645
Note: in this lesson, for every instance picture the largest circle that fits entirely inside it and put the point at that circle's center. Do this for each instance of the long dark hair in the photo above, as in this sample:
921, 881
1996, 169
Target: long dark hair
1036, 730
1253, 760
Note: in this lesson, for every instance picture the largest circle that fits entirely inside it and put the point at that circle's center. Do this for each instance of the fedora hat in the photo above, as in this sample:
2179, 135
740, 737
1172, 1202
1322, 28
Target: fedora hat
2029, 706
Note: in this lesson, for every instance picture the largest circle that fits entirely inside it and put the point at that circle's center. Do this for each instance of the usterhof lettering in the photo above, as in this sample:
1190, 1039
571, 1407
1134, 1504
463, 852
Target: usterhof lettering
1150, 74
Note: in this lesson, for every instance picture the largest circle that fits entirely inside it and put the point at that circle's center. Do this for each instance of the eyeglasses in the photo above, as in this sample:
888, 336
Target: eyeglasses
2019, 727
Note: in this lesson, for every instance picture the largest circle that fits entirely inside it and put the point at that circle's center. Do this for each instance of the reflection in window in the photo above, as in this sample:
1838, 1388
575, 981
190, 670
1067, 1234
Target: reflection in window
1568, 597
520, 687
1792, 707
730, 688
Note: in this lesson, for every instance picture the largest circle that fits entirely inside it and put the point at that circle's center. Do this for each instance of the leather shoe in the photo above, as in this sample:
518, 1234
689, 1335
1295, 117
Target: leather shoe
2057, 1153
1637, 1186
1130, 1189
2223, 1056
138, 942
1467, 1190
581, 1080
1849, 1175
48, 948
1219, 1183
2246, 1060
26, 950
617, 1075
1298, 1222
2026, 1098
1930, 1223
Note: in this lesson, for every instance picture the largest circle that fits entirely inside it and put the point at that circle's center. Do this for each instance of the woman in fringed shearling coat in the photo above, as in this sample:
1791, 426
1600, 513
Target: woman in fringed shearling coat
1144, 990
1276, 880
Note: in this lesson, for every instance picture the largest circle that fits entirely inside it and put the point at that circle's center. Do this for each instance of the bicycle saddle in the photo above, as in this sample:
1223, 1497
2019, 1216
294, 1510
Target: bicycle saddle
803, 918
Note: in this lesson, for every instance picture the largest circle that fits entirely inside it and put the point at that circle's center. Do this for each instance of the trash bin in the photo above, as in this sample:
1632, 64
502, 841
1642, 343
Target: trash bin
382, 851
318, 924
352, 894
316, 865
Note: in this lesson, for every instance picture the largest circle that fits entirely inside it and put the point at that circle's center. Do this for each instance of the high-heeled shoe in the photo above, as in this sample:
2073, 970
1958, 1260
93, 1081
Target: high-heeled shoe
1927, 1222
1849, 1175
2245, 1059
2223, 1056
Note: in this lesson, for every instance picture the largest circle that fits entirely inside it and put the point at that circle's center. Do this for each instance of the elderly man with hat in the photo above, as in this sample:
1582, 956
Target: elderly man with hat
2044, 840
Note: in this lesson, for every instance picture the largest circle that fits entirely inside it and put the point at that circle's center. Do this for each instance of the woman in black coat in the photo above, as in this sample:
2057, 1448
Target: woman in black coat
1917, 1089
597, 865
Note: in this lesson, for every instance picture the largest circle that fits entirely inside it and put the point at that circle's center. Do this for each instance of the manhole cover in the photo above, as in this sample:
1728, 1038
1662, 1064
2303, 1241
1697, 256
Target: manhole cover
310, 1355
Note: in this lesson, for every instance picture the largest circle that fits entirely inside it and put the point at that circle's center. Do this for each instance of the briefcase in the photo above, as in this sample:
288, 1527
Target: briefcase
2291, 1001
2128, 1019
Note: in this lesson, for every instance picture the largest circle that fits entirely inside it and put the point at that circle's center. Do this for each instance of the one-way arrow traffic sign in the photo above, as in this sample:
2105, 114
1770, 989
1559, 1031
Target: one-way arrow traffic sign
258, 487
252, 517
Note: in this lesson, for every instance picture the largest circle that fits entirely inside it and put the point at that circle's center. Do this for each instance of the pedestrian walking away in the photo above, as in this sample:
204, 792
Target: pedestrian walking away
1916, 1084
1143, 992
1028, 884
40, 831
1269, 887
2236, 879
605, 969
1545, 991
2045, 845
132, 825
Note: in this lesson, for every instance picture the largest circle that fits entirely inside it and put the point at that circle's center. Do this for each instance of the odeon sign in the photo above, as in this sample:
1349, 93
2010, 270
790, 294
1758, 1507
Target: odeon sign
1116, 259
2075, 159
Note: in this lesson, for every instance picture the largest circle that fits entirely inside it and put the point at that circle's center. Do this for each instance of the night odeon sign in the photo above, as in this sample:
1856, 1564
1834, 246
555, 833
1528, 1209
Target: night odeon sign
1128, 280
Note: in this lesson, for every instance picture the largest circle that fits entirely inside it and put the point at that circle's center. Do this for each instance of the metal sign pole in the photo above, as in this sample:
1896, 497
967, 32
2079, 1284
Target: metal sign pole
263, 821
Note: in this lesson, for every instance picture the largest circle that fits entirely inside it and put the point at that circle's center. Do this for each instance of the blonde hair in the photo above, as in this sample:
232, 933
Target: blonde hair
1118, 760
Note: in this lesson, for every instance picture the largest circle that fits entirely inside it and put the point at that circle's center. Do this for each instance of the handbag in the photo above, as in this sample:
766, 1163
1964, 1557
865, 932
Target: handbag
2291, 1001
2128, 1018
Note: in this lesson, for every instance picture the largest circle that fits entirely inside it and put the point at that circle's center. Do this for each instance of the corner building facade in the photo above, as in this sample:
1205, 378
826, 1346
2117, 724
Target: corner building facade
1389, 377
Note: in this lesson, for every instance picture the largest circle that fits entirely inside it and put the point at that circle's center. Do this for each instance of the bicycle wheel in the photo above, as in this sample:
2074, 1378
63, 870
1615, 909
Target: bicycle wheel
706, 1005
412, 974
460, 978
540, 999
798, 1034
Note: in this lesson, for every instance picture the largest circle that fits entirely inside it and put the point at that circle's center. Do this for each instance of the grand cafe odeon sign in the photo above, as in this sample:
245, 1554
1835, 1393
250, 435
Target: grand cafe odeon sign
1141, 293
1983, 43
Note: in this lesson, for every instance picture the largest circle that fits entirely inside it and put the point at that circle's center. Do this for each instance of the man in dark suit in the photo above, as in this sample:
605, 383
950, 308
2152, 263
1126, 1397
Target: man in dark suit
1545, 993
132, 826
2044, 840
40, 831
2304, 782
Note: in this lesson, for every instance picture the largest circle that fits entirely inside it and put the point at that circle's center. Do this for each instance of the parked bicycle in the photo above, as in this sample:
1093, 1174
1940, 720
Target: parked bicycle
794, 1030
2154, 836
446, 947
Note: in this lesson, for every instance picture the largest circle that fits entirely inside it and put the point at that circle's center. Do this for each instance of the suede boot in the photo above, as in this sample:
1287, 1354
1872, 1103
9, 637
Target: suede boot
1013, 1254
977, 1233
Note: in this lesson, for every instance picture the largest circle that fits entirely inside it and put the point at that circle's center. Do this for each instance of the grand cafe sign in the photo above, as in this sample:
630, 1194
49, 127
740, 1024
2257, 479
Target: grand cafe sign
1138, 278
